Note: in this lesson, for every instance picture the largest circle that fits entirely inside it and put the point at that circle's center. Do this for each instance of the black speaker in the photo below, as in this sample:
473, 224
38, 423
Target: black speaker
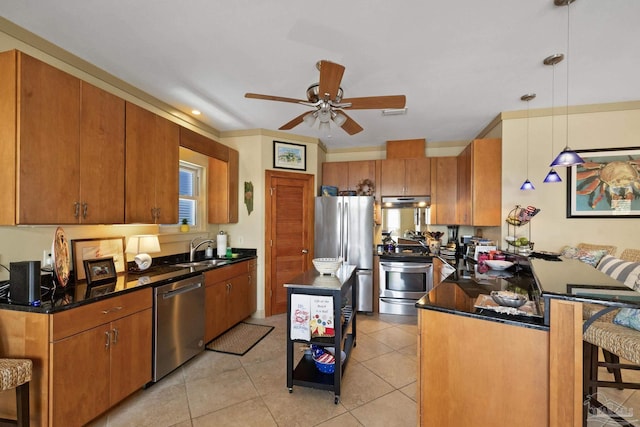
24, 282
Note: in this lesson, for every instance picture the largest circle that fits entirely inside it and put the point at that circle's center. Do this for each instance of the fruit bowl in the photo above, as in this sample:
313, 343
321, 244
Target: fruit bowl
327, 265
498, 264
508, 299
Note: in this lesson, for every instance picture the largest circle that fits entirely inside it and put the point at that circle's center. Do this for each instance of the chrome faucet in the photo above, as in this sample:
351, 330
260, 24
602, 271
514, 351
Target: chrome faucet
193, 246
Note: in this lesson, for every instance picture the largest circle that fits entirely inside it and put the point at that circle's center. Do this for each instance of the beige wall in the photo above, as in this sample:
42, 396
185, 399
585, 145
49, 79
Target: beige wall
604, 126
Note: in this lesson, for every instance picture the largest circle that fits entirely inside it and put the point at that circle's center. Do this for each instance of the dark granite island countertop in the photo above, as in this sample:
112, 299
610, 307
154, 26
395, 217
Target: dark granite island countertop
465, 290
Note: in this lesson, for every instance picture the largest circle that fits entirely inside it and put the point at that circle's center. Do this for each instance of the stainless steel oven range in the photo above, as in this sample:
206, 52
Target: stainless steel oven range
403, 282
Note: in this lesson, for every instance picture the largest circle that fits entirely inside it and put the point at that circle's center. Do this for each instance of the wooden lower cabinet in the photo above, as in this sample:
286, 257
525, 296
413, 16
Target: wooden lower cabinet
474, 372
230, 297
86, 359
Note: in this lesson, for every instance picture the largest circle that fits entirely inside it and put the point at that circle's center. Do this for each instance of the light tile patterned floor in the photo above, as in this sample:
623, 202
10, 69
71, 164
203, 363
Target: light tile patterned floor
379, 387
216, 389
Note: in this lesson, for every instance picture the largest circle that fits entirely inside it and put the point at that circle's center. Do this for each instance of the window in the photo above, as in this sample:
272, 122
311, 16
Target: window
190, 203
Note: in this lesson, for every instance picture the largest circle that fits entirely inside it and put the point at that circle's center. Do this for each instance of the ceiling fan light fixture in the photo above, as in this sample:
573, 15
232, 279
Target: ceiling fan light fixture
324, 127
394, 111
339, 118
310, 118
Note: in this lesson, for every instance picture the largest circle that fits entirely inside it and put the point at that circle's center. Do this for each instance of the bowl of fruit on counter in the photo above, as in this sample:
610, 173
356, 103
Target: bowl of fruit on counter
519, 244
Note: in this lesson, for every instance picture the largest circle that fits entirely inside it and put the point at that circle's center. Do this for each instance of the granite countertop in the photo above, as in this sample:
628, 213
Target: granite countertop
76, 294
467, 288
311, 279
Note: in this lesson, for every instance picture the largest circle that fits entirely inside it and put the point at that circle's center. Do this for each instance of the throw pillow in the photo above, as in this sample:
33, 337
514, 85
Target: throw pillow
591, 257
626, 272
628, 317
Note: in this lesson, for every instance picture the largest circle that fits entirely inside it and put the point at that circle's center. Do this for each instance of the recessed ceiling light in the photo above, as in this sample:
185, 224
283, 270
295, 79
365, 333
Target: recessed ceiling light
195, 112
394, 111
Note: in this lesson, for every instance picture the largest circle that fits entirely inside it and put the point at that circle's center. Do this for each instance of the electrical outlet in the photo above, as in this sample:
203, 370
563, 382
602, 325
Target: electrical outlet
46, 258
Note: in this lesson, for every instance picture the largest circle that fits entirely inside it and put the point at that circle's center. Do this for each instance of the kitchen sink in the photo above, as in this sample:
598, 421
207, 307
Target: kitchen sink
204, 263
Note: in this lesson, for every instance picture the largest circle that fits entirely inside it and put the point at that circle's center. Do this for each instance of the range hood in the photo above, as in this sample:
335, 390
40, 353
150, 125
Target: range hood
395, 202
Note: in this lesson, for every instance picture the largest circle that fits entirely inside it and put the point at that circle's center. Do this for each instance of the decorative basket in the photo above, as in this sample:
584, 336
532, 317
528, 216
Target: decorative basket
325, 363
327, 265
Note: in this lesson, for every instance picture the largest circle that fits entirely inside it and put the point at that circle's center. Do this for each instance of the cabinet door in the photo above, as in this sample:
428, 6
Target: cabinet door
130, 354
101, 156
48, 140
223, 189
152, 157
139, 167
464, 187
486, 187
238, 304
80, 377
166, 162
361, 170
392, 177
417, 177
335, 174
444, 190
253, 287
215, 310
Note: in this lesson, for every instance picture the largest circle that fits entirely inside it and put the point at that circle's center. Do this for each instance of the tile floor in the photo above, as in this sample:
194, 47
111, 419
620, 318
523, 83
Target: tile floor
215, 389
379, 386
620, 400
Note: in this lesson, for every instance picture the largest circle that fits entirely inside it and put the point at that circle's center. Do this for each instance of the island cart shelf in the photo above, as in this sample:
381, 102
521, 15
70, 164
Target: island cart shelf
343, 292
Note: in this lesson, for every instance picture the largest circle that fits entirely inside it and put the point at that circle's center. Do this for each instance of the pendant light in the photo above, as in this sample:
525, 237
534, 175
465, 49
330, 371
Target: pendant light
567, 156
527, 185
552, 60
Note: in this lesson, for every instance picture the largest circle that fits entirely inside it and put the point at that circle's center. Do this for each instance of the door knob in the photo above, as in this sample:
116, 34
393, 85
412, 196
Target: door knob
305, 251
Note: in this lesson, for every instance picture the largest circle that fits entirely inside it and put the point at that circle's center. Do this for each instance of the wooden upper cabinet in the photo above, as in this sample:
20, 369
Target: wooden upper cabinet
152, 167
47, 143
68, 146
444, 190
347, 175
480, 183
405, 177
223, 189
101, 156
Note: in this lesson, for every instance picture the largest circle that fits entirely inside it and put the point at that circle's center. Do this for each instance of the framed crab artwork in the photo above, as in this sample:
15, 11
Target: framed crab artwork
606, 185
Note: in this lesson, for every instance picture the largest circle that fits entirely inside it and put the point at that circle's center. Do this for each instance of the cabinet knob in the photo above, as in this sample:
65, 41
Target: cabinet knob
85, 207
107, 340
76, 209
114, 334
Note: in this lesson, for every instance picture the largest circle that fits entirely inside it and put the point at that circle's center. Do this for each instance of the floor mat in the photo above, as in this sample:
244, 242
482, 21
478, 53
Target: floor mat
239, 339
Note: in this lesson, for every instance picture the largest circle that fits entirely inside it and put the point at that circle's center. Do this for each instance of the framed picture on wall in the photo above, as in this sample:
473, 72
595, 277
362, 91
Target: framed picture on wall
607, 185
289, 156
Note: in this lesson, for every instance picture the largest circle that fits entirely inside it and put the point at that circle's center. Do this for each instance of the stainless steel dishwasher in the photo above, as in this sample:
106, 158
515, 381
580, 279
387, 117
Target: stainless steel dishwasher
178, 324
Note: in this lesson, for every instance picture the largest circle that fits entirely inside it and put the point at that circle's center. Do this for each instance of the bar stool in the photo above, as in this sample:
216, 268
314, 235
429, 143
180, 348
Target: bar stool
16, 373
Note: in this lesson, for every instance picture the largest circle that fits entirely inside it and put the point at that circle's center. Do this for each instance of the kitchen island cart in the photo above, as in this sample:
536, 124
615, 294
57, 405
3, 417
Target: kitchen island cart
341, 291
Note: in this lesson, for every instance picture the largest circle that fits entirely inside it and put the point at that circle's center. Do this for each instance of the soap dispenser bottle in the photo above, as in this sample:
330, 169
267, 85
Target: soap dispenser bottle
208, 253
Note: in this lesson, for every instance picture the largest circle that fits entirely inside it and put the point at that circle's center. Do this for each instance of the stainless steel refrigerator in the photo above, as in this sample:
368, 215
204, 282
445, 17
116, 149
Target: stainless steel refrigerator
344, 228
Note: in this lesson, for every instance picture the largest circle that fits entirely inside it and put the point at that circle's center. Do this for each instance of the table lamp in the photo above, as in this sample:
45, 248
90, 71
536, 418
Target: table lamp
142, 245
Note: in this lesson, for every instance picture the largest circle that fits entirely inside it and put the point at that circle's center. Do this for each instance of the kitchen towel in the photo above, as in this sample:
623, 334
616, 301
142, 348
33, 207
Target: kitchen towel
221, 244
322, 322
300, 313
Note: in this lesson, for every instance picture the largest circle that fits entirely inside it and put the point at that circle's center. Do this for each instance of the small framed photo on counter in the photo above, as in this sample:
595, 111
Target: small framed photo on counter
100, 270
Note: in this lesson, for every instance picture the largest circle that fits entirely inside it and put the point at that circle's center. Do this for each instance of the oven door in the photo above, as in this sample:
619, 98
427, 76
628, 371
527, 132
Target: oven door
406, 280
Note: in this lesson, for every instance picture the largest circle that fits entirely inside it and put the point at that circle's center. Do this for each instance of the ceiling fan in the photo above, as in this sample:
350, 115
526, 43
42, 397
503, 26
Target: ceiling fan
326, 99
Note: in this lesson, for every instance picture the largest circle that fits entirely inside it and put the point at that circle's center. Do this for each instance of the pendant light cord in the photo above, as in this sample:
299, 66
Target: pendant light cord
567, 56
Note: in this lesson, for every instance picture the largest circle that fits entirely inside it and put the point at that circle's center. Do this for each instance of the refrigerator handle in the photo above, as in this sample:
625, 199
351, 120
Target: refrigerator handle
345, 238
341, 225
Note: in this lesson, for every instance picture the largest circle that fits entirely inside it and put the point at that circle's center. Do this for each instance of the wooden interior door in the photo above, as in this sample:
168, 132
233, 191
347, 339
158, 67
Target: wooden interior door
289, 233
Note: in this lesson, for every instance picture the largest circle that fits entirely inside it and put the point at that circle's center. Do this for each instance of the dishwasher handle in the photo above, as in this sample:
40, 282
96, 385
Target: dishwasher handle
175, 292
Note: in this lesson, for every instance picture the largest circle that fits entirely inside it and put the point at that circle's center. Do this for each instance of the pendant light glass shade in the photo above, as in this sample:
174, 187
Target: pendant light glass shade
552, 176
567, 156
527, 185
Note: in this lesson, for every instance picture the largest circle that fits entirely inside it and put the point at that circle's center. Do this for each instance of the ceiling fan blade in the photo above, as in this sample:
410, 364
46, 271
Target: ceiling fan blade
294, 122
350, 126
274, 98
376, 102
330, 78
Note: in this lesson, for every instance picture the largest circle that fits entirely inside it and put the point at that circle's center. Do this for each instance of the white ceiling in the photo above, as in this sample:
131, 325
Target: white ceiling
460, 63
